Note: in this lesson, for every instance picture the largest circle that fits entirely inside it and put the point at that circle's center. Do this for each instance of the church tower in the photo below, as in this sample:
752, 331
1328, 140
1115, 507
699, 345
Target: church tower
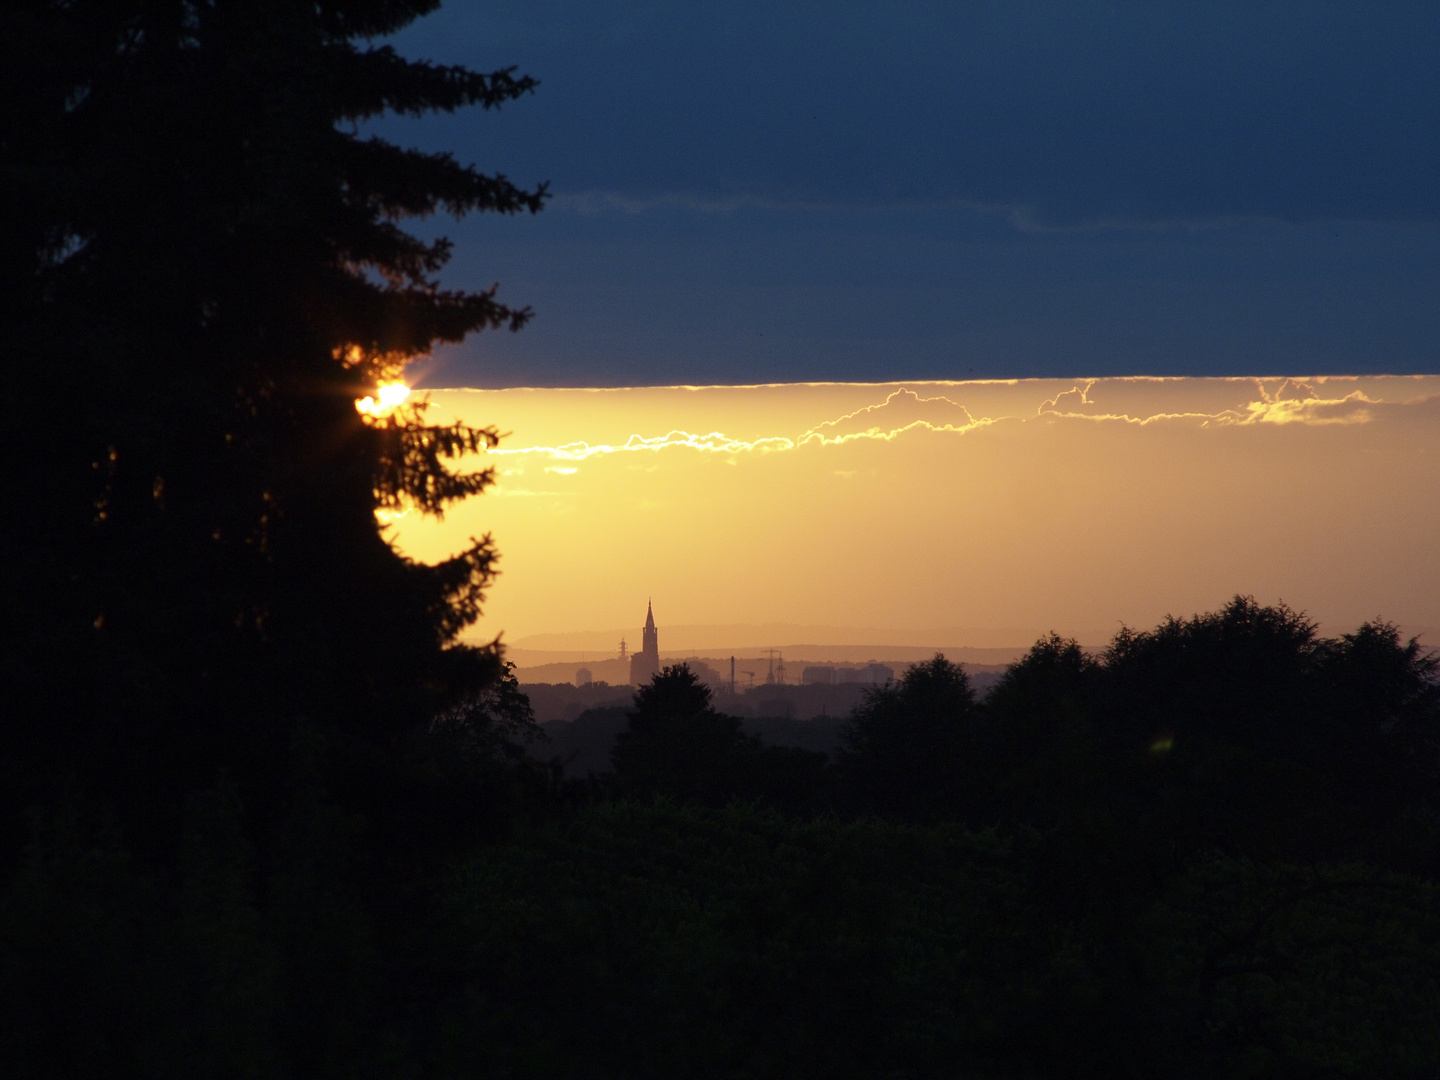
645, 664
651, 640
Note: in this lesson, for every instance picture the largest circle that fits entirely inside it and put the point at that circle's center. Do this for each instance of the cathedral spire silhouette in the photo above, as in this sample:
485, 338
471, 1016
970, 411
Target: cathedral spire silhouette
645, 662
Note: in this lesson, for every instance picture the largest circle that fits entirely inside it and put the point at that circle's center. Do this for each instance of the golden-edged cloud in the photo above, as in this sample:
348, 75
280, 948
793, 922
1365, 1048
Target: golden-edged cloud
714, 442
903, 411
1290, 401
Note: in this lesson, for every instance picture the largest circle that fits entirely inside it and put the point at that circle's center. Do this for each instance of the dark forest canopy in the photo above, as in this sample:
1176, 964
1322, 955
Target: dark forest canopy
1210, 850
203, 268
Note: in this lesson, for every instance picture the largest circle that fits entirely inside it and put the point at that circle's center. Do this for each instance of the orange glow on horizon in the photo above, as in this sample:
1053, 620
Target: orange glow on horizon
1030, 504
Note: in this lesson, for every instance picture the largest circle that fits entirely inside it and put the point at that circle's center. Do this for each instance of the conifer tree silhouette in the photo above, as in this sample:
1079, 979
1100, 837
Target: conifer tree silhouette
202, 272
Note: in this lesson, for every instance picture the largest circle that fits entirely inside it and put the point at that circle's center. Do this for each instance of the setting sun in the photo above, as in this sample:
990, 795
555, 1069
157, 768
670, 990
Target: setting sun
388, 397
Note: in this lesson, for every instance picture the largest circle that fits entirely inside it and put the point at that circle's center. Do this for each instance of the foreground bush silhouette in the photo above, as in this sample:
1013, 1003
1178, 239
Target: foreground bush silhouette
662, 941
655, 941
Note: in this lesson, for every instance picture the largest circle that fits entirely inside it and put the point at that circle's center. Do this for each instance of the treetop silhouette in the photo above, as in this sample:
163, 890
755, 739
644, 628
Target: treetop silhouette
907, 746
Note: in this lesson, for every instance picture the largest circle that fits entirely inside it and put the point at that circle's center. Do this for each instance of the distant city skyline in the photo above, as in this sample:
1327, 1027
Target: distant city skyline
639, 667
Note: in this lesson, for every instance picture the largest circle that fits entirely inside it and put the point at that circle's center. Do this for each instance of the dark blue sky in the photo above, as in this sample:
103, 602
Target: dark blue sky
779, 192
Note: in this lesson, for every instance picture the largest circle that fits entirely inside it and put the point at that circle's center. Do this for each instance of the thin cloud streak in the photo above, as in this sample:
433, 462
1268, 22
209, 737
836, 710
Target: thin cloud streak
1292, 402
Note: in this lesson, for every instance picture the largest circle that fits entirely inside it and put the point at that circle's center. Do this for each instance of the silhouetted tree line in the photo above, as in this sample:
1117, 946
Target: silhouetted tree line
1211, 849
1241, 729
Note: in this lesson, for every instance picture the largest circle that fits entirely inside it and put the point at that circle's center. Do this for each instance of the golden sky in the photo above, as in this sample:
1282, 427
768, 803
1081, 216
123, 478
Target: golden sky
1031, 504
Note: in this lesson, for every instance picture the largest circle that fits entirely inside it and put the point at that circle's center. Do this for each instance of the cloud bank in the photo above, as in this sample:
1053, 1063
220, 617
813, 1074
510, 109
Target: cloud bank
1063, 112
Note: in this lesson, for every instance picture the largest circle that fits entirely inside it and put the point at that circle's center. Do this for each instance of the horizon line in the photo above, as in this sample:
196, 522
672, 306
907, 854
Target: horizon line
1014, 381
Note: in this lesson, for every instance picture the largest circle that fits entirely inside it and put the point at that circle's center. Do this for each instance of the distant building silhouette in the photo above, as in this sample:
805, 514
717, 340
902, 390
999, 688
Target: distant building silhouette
583, 677
879, 674
645, 664
818, 675
872, 674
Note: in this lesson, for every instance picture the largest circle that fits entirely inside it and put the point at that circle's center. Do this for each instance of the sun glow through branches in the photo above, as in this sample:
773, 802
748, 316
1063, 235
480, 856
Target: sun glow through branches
388, 397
